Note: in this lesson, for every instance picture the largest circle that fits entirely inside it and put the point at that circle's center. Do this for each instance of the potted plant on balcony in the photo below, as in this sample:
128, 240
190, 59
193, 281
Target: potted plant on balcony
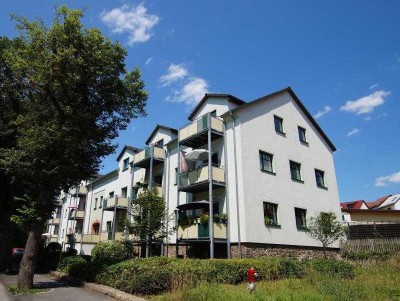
223, 217
204, 218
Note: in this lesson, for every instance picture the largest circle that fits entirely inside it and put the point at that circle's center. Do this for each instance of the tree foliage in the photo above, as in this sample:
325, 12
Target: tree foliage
326, 229
73, 95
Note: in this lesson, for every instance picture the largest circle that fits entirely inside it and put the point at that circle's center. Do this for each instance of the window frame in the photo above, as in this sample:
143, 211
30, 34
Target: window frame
274, 220
101, 201
124, 195
125, 164
261, 162
95, 203
300, 179
304, 131
282, 128
324, 185
303, 226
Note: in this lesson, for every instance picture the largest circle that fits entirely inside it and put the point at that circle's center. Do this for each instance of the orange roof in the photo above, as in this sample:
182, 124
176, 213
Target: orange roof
378, 201
352, 205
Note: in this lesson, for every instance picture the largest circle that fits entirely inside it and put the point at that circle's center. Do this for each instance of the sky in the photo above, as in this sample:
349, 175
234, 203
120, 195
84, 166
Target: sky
342, 59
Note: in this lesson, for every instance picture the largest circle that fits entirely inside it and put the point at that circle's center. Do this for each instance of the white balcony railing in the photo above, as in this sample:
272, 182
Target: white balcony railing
199, 126
198, 231
201, 175
146, 153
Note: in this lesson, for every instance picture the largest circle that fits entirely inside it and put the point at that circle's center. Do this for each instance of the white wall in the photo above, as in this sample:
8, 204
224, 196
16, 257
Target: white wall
257, 132
219, 104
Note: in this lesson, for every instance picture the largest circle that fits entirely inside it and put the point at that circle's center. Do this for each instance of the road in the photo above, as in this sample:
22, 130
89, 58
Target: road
59, 291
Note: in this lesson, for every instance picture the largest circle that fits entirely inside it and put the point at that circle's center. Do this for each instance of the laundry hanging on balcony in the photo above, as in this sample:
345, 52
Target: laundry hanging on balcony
197, 155
72, 207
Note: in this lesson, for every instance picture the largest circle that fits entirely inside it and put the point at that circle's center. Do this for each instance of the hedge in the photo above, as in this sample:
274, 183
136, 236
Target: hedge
333, 268
160, 274
68, 262
112, 252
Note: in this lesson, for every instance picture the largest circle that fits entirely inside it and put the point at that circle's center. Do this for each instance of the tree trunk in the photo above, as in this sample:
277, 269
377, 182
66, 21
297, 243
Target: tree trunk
324, 248
28, 262
6, 228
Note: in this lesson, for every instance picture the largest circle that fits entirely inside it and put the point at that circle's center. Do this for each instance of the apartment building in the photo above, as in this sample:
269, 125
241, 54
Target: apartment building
241, 179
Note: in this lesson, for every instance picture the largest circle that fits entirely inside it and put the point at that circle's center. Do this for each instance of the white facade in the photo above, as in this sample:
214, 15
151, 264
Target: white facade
235, 133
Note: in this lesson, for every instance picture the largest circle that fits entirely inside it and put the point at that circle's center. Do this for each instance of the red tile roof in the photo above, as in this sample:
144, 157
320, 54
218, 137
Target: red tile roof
352, 205
379, 201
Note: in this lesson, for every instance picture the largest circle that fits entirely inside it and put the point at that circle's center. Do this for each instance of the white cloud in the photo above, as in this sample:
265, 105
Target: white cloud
366, 104
175, 72
384, 180
322, 112
133, 20
367, 118
149, 60
191, 92
373, 86
352, 132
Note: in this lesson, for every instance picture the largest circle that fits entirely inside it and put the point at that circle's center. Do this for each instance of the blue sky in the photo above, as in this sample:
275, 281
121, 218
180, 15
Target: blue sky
342, 58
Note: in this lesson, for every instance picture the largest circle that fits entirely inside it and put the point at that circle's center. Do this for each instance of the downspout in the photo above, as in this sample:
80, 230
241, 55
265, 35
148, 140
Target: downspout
210, 190
228, 226
178, 184
90, 209
150, 187
236, 185
166, 198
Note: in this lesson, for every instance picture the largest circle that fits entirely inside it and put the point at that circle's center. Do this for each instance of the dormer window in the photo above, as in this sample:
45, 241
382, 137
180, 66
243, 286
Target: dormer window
125, 164
159, 143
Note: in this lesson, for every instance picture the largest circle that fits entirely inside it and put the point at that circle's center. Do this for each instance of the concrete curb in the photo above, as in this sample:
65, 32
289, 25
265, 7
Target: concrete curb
4, 294
102, 289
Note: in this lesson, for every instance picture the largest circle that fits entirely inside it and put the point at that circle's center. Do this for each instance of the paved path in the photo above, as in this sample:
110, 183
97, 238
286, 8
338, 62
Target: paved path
59, 291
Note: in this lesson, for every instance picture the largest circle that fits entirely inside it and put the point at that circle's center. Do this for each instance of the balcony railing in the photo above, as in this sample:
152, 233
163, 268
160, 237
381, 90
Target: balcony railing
200, 175
78, 190
141, 190
108, 235
76, 214
116, 201
142, 159
199, 127
54, 239
87, 238
201, 231
55, 221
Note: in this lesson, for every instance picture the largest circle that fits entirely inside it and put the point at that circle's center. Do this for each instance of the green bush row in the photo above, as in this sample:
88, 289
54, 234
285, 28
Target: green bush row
67, 263
112, 252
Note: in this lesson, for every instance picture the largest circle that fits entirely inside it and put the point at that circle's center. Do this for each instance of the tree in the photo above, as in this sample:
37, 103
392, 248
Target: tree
326, 229
147, 219
75, 96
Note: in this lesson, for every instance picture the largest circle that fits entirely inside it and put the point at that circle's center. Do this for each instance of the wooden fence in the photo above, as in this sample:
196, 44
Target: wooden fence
377, 246
376, 230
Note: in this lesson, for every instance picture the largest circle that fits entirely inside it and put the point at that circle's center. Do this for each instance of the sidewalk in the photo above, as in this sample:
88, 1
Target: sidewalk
59, 291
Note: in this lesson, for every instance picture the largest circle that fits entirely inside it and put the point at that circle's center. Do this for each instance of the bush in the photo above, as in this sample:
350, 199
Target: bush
112, 252
160, 274
86, 270
67, 263
333, 268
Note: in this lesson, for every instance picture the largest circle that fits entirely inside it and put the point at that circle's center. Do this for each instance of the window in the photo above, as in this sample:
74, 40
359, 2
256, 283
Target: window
176, 176
320, 178
111, 195
126, 164
214, 159
271, 214
302, 134
158, 179
266, 162
295, 170
101, 202
55, 229
278, 124
95, 203
159, 143
124, 192
301, 218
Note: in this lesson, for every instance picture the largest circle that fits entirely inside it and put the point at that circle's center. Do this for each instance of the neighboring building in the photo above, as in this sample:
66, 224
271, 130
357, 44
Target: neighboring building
378, 219
242, 179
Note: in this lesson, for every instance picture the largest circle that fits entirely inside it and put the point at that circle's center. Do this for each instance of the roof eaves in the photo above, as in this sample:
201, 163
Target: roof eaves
159, 126
132, 148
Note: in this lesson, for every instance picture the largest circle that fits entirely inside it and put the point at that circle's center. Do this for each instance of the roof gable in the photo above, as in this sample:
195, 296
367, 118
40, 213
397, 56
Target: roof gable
128, 147
230, 97
297, 101
159, 126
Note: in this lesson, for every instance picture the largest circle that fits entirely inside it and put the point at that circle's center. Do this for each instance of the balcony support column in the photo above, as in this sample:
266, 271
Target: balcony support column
150, 187
210, 189
178, 197
228, 227
114, 217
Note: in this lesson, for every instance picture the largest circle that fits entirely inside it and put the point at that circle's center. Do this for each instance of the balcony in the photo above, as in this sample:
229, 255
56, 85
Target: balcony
197, 180
81, 190
120, 202
76, 214
107, 235
195, 134
54, 239
55, 221
201, 231
87, 238
143, 158
141, 190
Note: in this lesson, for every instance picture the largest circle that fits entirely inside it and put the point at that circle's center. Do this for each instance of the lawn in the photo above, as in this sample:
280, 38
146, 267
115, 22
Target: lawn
373, 282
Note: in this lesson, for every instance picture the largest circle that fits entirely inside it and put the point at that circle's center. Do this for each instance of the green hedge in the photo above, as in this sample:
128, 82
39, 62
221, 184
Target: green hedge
333, 268
160, 274
112, 252
68, 262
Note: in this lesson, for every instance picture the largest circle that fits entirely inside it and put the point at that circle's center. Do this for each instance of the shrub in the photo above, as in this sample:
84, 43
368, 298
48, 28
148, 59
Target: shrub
112, 252
86, 270
333, 268
67, 263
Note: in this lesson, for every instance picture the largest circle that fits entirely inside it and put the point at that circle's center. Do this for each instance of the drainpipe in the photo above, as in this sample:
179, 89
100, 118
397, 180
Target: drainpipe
236, 185
210, 190
166, 197
178, 184
228, 226
150, 187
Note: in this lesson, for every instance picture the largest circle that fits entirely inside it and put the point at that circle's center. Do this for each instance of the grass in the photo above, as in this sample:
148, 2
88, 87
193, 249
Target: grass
375, 282
13, 289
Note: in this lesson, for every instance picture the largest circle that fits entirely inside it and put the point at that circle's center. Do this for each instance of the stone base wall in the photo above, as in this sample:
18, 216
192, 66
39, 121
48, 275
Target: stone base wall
254, 250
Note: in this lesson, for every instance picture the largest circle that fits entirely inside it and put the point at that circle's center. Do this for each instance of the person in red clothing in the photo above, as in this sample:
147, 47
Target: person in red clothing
252, 277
